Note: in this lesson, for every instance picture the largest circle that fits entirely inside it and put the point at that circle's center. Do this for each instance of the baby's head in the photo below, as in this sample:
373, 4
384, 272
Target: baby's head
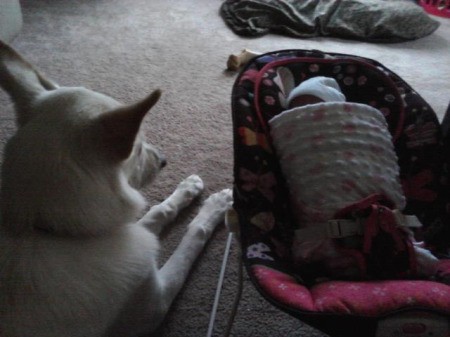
302, 100
315, 90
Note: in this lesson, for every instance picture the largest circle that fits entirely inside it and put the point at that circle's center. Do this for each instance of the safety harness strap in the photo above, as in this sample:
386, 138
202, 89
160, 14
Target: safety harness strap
341, 228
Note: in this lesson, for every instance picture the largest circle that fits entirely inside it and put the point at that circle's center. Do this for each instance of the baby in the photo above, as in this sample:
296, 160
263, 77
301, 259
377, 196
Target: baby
334, 154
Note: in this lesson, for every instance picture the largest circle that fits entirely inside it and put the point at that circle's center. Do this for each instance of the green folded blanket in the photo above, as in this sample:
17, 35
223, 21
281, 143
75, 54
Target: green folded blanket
368, 20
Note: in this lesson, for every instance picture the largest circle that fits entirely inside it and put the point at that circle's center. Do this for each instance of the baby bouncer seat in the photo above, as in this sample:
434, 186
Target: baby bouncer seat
401, 306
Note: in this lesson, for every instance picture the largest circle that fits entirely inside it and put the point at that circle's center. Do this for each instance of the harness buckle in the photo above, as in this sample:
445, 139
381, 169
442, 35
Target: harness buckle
340, 228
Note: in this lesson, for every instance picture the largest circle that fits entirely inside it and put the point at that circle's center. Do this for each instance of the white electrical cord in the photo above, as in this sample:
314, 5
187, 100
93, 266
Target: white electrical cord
231, 222
219, 285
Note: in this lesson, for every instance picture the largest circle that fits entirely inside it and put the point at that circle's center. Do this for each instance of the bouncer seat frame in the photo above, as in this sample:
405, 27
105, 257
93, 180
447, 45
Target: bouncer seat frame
261, 198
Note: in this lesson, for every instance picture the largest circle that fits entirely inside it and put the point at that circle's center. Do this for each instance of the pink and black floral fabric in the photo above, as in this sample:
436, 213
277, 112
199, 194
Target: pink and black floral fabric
262, 202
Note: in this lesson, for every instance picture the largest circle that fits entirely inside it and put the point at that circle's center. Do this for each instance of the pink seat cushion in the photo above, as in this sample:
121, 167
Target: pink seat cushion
367, 298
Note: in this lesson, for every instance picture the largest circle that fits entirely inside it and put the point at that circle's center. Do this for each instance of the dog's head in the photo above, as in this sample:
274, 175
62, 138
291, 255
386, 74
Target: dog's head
78, 156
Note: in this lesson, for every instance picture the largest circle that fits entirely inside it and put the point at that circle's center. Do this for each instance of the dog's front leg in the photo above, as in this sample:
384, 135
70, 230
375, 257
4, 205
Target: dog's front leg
174, 272
160, 215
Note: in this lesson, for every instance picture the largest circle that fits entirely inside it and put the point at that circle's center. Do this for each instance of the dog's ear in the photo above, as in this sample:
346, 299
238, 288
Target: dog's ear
120, 126
20, 80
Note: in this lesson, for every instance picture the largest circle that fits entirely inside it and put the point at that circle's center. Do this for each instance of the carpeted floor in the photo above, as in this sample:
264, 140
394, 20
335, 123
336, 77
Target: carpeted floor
126, 48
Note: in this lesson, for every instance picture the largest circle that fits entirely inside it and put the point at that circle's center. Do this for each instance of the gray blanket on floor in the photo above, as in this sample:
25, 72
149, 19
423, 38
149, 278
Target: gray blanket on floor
368, 20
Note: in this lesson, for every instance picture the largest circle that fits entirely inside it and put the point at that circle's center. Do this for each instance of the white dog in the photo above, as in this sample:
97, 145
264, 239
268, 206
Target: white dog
73, 260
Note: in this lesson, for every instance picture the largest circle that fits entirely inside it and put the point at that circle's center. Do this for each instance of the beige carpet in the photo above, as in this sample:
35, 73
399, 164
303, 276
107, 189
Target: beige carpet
125, 48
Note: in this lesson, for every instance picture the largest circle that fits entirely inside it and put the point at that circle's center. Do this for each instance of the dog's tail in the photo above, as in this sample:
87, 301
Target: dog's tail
19, 79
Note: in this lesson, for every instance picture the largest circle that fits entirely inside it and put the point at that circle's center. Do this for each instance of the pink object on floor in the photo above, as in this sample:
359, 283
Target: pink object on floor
437, 7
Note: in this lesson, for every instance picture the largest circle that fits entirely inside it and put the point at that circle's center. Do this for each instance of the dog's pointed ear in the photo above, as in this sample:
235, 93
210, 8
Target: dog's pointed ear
120, 126
20, 80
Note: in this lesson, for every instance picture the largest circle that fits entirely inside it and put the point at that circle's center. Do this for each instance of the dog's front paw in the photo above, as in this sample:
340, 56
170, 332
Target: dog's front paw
220, 201
189, 189
213, 210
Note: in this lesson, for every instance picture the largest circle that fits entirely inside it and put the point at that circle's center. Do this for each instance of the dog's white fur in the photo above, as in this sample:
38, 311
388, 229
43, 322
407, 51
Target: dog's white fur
73, 260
